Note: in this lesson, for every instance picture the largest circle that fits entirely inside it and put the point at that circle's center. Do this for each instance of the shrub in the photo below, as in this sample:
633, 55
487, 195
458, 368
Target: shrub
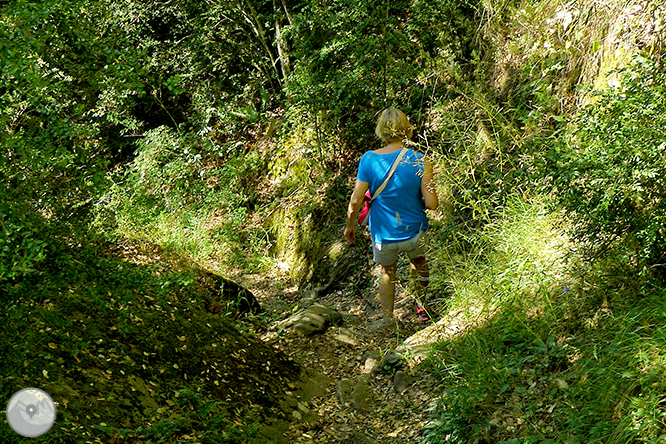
609, 170
23, 243
351, 59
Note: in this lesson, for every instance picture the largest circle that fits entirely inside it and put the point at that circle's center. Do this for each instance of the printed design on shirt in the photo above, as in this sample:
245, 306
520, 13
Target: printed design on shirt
415, 162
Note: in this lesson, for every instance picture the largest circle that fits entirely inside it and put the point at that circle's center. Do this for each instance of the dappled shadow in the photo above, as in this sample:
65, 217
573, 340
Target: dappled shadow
320, 228
140, 344
550, 371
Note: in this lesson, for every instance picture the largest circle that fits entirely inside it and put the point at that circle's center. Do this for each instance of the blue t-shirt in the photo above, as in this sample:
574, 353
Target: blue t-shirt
398, 213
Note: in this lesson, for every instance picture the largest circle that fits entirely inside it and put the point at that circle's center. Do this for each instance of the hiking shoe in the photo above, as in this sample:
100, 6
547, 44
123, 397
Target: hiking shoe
422, 313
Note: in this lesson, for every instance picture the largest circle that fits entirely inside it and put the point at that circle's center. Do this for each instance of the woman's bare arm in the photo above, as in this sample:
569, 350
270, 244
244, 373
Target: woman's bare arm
354, 208
428, 186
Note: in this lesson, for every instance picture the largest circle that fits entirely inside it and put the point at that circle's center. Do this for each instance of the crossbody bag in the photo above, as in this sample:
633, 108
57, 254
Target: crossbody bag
367, 198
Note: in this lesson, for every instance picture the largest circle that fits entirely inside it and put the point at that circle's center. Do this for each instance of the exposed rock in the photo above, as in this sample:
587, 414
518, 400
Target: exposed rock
226, 296
303, 413
361, 397
419, 344
344, 265
343, 389
356, 393
312, 320
376, 363
372, 360
315, 384
402, 381
310, 386
346, 336
379, 325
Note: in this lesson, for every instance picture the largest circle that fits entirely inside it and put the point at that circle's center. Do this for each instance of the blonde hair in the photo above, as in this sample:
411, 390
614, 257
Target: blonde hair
393, 126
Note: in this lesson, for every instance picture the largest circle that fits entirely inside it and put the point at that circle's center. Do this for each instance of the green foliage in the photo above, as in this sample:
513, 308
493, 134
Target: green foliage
554, 350
152, 114
210, 66
355, 58
512, 278
445, 28
182, 193
476, 153
23, 242
50, 142
609, 172
521, 252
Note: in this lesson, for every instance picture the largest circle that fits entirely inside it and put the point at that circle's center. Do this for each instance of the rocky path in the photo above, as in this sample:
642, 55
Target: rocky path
365, 392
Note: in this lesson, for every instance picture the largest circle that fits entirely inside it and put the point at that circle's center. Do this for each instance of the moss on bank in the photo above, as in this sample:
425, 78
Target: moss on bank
135, 353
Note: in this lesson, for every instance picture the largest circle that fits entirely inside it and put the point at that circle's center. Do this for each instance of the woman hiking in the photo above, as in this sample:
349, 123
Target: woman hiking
397, 217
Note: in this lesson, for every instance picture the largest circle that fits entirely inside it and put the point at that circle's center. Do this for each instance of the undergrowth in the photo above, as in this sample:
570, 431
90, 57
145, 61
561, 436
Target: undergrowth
274, 212
556, 349
550, 246
132, 353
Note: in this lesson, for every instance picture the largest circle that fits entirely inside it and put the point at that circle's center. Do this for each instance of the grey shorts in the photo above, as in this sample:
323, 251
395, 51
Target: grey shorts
387, 254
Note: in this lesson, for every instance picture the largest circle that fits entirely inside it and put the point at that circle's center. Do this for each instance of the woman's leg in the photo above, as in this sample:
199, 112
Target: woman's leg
420, 272
387, 289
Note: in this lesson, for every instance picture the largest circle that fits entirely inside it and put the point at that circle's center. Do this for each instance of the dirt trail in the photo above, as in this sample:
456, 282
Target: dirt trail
341, 354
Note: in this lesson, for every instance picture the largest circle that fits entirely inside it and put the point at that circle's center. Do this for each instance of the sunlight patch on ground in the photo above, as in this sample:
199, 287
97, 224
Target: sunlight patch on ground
417, 346
521, 260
